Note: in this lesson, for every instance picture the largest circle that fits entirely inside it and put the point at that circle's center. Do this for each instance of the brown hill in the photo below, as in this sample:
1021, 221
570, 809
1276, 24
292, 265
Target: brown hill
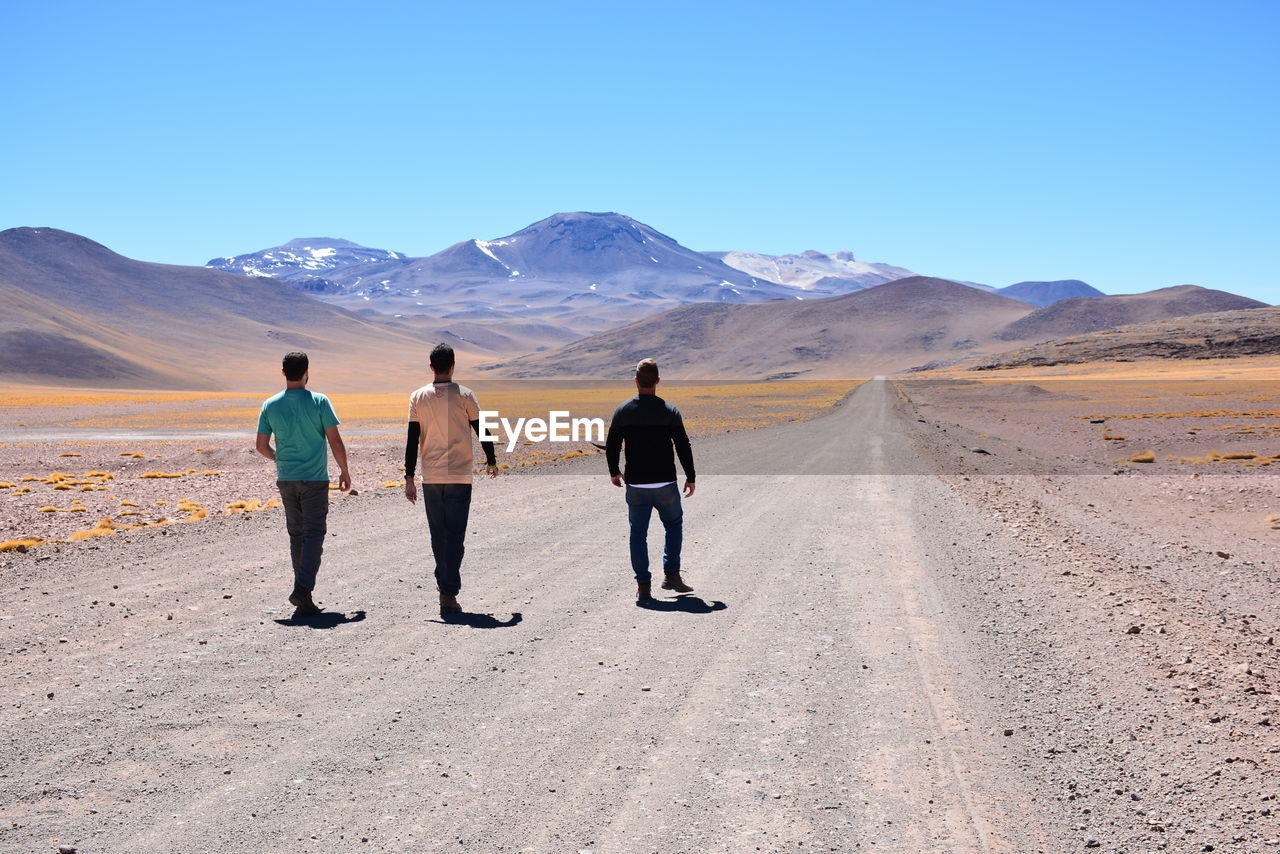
1080, 315
1250, 332
879, 330
76, 313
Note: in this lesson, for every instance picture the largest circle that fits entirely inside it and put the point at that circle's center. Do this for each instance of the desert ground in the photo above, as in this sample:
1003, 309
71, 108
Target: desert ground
943, 613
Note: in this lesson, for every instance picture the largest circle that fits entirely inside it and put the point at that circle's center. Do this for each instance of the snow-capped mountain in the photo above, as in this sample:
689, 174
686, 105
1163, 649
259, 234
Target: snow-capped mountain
813, 271
305, 262
580, 270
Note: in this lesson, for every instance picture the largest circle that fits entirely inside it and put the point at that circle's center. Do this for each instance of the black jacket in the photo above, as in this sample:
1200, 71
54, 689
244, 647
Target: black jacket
648, 427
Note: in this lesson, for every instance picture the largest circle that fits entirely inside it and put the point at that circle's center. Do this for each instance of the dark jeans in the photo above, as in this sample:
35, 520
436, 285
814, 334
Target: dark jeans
447, 506
306, 510
640, 502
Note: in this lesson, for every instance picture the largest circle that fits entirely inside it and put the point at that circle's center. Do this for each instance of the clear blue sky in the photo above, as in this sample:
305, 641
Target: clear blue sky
1130, 144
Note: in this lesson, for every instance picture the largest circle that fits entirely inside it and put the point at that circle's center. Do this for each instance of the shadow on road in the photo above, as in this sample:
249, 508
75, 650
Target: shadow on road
478, 621
323, 620
687, 604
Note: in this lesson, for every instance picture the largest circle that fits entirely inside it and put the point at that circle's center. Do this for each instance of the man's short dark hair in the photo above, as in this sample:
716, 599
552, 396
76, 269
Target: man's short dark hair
647, 373
295, 365
441, 358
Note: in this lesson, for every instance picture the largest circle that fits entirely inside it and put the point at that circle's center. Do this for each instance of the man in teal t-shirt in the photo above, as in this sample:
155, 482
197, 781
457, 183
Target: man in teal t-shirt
303, 423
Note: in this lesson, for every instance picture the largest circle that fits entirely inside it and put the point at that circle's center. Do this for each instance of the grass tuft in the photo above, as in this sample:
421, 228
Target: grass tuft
22, 544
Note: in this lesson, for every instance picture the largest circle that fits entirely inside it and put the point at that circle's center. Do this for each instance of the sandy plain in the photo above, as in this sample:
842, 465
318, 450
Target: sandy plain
895, 644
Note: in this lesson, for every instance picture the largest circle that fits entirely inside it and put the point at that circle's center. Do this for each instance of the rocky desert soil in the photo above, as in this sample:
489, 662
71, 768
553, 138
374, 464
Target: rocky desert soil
895, 644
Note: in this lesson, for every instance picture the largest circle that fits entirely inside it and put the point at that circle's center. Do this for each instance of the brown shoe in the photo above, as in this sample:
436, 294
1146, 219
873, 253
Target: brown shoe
449, 604
675, 582
301, 599
644, 591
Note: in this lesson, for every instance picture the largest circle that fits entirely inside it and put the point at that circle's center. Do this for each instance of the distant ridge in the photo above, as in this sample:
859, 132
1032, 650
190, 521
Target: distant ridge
1088, 314
1217, 335
812, 271
1046, 293
79, 314
881, 330
304, 261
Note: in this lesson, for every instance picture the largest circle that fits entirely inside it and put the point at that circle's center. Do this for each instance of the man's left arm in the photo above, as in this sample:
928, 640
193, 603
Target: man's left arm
684, 451
489, 461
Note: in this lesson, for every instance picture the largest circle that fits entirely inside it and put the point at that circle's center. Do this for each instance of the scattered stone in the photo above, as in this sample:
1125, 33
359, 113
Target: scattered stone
1223, 555
66, 849
645, 688
1134, 630
1008, 732
979, 451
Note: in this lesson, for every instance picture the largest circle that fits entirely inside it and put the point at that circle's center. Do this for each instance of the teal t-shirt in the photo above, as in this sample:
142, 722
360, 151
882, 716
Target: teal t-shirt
298, 418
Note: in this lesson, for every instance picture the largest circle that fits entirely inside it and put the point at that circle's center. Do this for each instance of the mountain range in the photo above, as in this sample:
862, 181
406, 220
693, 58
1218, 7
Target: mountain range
892, 327
580, 270
76, 313
580, 294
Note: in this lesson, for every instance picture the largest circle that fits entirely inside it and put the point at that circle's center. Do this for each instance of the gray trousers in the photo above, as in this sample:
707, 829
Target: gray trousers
306, 512
448, 505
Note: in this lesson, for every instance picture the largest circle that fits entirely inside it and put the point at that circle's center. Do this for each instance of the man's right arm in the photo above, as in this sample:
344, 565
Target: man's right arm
613, 449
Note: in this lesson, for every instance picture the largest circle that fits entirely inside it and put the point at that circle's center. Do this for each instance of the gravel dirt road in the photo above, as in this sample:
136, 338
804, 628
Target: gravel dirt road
876, 657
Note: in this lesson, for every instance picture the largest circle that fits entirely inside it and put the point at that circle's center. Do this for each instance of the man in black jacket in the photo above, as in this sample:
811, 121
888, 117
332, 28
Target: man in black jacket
648, 428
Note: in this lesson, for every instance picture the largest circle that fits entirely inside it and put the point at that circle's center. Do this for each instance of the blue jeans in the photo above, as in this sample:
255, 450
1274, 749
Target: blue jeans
666, 500
306, 513
447, 506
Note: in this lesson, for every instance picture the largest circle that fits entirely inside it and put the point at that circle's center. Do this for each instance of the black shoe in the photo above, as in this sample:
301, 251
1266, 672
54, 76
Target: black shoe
675, 582
644, 591
449, 604
301, 599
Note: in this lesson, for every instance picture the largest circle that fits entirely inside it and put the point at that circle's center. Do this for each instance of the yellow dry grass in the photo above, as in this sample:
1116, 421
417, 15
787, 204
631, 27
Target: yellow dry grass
707, 408
1147, 456
22, 544
103, 527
